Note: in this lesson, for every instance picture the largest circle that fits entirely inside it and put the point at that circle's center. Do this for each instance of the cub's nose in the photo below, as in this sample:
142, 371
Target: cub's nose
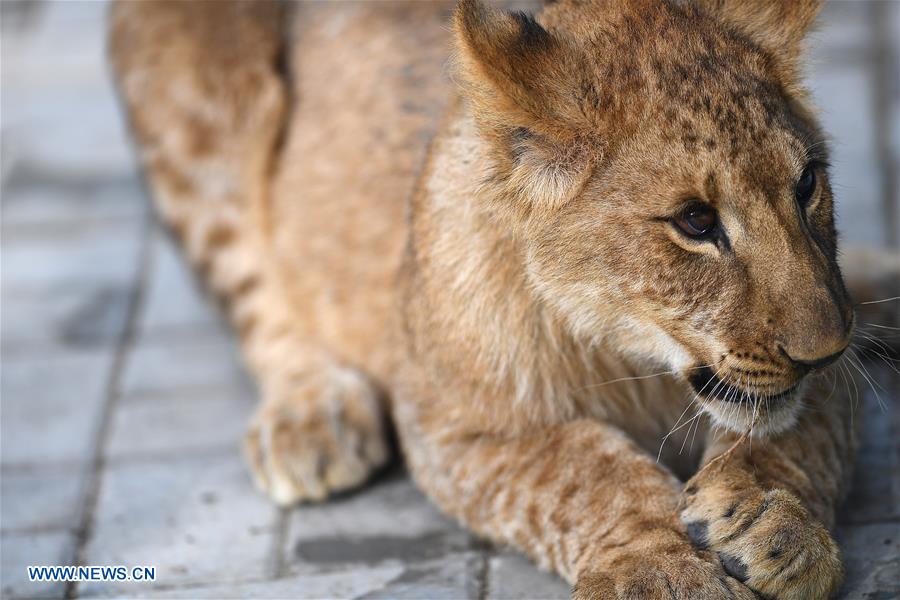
804, 365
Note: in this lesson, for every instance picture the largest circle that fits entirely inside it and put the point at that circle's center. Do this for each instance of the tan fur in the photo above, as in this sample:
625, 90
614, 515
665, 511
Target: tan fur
500, 270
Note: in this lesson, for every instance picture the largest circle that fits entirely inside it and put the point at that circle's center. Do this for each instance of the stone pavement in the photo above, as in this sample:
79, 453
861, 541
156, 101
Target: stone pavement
123, 398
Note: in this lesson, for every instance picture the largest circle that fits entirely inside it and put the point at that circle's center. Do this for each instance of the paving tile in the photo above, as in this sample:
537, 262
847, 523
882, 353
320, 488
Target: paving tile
40, 498
352, 584
391, 503
166, 365
453, 577
512, 576
197, 519
340, 584
60, 112
872, 560
88, 254
51, 405
20, 550
449, 578
391, 520
68, 316
67, 287
875, 494
40, 201
175, 300
180, 423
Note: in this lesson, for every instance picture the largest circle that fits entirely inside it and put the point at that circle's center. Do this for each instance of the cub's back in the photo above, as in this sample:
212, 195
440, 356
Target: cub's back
369, 85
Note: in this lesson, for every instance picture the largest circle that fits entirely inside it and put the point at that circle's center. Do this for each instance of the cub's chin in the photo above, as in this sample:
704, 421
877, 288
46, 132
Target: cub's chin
762, 418
739, 409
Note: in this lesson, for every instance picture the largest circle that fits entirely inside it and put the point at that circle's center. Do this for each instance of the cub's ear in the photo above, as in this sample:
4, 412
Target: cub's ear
521, 81
778, 26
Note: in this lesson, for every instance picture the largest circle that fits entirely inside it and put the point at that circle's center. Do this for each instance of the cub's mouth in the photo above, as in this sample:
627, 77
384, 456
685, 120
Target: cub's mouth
708, 385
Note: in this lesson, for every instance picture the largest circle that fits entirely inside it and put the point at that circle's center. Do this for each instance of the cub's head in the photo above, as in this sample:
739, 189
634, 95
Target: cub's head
668, 183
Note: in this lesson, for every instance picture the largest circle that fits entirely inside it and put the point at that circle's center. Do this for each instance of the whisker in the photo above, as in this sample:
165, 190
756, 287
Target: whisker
874, 339
637, 378
852, 379
877, 333
880, 345
694, 427
694, 435
841, 370
833, 375
716, 428
753, 419
879, 326
859, 361
732, 406
676, 426
697, 397
862, 371
880, 351
879, 301
885, 337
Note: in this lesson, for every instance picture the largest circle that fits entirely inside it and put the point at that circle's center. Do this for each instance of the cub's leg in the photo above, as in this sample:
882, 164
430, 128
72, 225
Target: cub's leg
320, 427
207, 106
580, 498
766, 508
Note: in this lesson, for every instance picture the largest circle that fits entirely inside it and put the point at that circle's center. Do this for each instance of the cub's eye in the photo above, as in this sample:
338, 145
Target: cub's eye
697, 220
806, 186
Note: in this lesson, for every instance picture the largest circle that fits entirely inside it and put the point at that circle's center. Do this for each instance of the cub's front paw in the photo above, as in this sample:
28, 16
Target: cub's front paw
766, 539
661, 577
316, 436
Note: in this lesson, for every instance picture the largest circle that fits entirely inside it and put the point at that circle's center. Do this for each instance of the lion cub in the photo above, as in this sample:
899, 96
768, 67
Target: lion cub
606, 191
